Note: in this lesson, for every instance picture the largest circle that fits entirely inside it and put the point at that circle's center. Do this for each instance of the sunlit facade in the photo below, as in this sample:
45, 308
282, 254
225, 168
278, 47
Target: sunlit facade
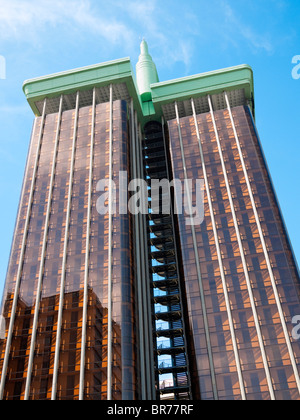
67, 244
239, 259
126, 306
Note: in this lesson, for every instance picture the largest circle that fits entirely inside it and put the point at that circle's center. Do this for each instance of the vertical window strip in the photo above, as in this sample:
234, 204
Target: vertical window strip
110, 233
226, 294
202, 296
87, 251
250, 292
266, 254
43, 255
149, 358
141, 314
22, 254
64, 263
177, 263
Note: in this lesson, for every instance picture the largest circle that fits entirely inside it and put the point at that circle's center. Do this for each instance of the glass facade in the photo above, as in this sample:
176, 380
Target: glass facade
118, 306
60, 129
241, 260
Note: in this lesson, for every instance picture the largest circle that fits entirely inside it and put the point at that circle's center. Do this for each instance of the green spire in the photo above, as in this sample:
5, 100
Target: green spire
146, 73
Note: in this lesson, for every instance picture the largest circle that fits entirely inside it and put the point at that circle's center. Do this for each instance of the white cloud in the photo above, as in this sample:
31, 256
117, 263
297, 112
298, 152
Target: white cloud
112, 23
174, 33
183, 53
236, 29
16, 15
169, 32
32, 18
142, 10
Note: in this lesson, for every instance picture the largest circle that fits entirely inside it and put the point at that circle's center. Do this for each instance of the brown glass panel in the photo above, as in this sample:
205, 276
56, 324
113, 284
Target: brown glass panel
124, 350
279, 252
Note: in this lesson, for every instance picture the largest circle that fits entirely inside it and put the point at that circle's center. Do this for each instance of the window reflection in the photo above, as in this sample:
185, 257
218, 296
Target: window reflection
278, 248
124, 357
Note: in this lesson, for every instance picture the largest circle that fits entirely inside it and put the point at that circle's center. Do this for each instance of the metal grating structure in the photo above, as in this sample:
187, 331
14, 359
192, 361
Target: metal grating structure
236, 98
120, 91
171, 357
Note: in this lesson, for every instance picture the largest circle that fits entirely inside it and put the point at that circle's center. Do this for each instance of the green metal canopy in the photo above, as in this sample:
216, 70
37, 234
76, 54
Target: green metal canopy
150, 96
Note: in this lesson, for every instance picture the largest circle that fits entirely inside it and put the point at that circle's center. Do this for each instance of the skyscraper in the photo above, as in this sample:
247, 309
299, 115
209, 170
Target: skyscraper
121, 304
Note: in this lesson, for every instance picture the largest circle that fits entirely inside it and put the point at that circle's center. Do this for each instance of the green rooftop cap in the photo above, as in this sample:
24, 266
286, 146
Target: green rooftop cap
146, 73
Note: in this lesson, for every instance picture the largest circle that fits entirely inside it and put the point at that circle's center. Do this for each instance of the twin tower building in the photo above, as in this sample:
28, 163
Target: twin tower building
143, 305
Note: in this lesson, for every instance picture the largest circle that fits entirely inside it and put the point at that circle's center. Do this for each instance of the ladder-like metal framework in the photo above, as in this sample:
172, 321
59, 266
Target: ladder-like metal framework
171, 357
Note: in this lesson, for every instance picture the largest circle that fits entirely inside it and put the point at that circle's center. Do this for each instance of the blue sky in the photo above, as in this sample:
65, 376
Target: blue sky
39, 37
